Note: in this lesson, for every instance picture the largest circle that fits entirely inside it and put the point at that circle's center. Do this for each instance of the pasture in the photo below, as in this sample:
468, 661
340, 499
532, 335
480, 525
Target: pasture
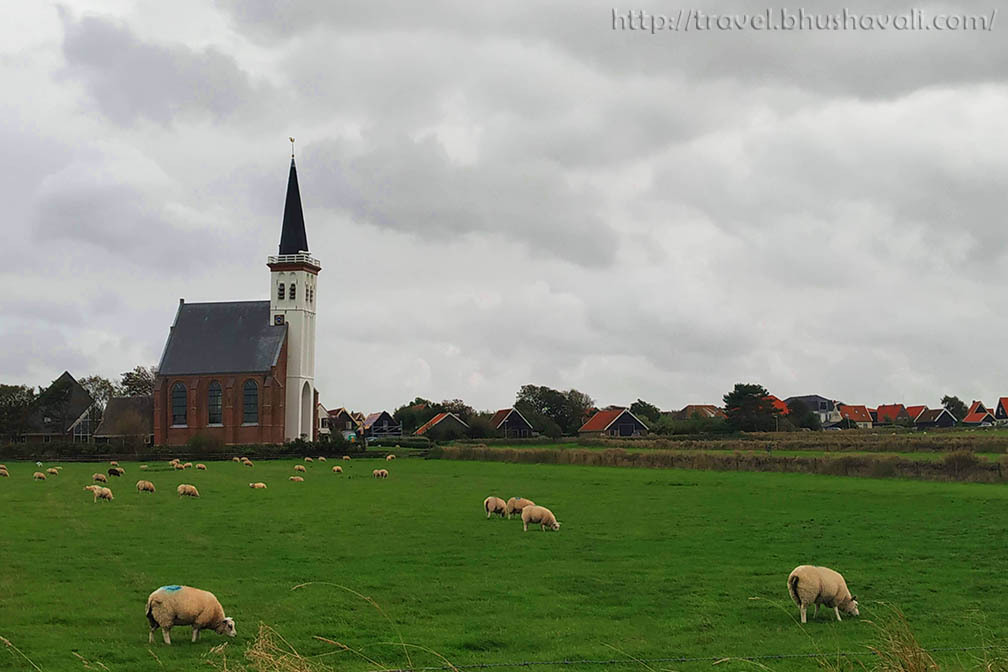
649, 563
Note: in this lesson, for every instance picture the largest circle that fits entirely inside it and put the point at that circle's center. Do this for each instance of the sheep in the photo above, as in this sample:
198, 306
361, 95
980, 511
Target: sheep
183, 605
494, 505
52, 472
299, 467
144, 486
143, 467
103, 493
39, 476
114, 471
346, 457
307, 459
257, 486
4, 474
201, 467
236, 459
187, 490
296, 479
374, 473
113, 463
539, 515
337, 469
248, 463
383, 473
390, 457
174, 461
3, 466
187, 465
178, 466
808, 584
99, 478
321, 458
516, 504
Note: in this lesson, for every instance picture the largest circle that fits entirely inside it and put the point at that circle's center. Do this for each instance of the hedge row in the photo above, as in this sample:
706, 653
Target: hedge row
958, 465
90, 452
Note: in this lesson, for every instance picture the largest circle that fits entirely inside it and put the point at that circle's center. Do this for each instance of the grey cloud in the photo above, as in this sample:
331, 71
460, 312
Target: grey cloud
129, 79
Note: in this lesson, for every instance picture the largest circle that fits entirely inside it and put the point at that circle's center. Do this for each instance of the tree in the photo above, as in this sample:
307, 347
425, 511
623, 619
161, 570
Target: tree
579, 404
413, 414
955, 406
459, 408
101, 390
139, 382
748, 408
479, 426
801, 416
15, 404
565, 409
643, 409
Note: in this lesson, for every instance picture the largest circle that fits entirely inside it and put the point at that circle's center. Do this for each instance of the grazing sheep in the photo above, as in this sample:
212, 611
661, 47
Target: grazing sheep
257, 486
201, 467
143, 467
808, 584
236, 459
381, 473
516, 504
52, 472
337, 469
114, 471
248, 463
299, 467
374, 473
539, 515
321, 458
174, 461
39, 476
494, 505
187, 465
346, 457
113, 463
182, 605
4, 474
99, 478
187, 490
307, 459
3, 466
178, 466
92, 488
390, 457
144, 486
103, 493
296, 479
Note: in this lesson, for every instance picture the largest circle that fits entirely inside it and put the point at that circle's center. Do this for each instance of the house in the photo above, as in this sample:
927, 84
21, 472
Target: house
780, 408
380, 425
914, 411
935, 417
704, 411
978, 416
873, 412
854, 416
322, 430
343, 422
443, 425
127, 420
615, 422
890, 414
821, 406
511, 424
1001, 411
243, 372
64, 411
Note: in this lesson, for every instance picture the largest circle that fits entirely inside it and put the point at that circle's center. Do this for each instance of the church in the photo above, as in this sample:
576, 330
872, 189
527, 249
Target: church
241, 372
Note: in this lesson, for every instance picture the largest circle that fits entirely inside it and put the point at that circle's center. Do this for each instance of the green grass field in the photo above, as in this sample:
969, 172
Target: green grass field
657, 563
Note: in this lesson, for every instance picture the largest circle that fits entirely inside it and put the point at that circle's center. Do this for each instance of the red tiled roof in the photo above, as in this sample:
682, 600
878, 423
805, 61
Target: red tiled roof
435, 420
778, 405
978, 414
498, 417
890, 412
854, 413
914, 411
1003, 404
976, 407
601, 420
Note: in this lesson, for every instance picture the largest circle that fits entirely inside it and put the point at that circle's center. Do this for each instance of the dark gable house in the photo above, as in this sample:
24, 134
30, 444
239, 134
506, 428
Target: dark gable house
380, 425
127, 421
614, 422
935, 417
511, 424
65, 411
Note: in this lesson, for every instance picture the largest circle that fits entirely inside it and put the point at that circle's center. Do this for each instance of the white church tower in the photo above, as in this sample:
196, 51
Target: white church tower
293, 276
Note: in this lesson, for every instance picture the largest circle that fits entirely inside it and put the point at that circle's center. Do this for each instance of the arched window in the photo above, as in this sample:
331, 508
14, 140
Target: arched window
178, 404
250, 408
280, 291
293, 287
215, 415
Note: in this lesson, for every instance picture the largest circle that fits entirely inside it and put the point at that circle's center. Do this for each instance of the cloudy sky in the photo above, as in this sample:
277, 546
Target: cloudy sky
504, 193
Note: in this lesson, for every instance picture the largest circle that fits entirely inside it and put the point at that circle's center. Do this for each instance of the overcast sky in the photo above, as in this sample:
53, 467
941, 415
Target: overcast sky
504, 193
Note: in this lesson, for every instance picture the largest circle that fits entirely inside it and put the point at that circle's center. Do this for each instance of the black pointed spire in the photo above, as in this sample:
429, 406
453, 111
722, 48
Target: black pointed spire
292, 238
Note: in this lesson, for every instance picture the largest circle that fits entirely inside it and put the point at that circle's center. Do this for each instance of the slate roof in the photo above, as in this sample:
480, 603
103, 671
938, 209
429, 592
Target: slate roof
931, 415
226, 337
814, 402
292, 237
371, 419
500, 416
121, 413
57, 408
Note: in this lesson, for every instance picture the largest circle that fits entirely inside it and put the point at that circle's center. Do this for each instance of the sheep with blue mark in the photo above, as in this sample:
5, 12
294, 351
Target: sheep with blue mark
173, 605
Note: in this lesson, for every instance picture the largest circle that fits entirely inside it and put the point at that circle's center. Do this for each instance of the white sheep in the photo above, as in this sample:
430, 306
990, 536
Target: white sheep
539, 515
113, 463
390, 457
4, 474
516, 504
299, 467
808, 584
169, 606
346, 457
236, 459
321, 458
297, 479
383, 473
187, 465
257, 486
99, 478
39, 476
494, 505
307, 459
187, 490
144, 486
99, 492
201, 467
337, 469
52, 471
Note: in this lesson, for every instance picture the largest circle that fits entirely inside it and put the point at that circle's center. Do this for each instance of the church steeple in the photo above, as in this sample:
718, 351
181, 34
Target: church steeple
293, 239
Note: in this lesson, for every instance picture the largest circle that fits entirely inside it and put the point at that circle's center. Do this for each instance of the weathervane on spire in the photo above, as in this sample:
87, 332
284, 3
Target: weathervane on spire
292, 146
